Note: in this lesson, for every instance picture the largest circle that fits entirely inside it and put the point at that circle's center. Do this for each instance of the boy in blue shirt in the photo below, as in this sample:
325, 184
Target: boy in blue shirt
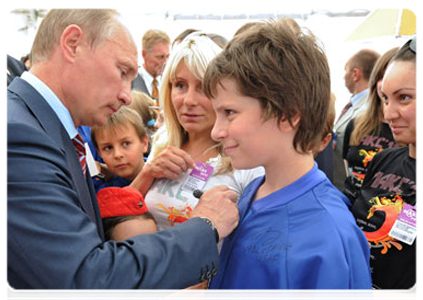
270, 88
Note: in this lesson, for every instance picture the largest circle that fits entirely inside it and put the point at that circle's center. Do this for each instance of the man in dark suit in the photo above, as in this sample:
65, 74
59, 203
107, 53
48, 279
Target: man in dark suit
83, 62
155, 52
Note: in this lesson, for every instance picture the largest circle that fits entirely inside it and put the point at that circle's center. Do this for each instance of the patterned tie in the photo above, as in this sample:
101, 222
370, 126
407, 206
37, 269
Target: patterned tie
155, 90
78, 142
344, 110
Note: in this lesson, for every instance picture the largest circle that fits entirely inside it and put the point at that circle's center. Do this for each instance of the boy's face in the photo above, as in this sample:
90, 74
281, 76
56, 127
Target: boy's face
122, 150
248, 140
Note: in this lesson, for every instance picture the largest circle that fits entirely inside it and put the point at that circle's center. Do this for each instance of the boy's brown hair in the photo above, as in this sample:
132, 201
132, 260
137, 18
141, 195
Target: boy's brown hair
142, 104
124, 116
328, 126
285, 70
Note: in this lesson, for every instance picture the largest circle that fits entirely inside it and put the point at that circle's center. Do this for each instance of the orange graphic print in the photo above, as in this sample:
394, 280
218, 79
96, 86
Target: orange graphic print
176, 215
391, 208
368, 155
359, 177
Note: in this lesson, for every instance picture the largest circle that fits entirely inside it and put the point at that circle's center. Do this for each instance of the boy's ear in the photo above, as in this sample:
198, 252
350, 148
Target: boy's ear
326, 140
285, 125
145, 142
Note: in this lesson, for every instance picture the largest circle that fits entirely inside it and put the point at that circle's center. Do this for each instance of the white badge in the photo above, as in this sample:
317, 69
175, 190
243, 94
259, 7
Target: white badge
404, 228
198, 177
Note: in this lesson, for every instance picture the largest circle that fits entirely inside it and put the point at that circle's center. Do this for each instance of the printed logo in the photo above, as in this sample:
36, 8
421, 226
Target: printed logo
368, 155
391, 207
176, 215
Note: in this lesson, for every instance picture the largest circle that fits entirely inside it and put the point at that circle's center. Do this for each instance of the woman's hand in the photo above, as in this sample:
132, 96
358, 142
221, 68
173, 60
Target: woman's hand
170, 163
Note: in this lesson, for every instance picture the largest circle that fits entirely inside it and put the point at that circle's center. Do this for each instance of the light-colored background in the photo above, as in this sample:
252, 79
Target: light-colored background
225, 17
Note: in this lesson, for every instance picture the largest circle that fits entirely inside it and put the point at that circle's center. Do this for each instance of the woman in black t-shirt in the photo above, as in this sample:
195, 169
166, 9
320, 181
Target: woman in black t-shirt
368, 134
388, 193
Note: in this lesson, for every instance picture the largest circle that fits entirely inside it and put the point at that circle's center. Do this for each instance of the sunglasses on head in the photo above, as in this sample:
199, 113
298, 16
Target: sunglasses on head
415, 43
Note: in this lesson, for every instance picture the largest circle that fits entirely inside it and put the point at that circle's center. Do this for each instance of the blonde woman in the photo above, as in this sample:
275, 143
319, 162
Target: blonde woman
185, 139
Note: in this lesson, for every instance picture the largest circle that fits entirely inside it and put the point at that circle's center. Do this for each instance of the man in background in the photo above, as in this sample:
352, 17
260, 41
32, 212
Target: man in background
357, 74
155, 52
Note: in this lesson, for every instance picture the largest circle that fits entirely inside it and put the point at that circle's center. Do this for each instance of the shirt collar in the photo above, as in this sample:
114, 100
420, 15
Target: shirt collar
357, 97
148, 79
291, 191
61, 111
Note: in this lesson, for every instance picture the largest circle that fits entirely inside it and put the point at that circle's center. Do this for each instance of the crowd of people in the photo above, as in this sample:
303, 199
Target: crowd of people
215, 164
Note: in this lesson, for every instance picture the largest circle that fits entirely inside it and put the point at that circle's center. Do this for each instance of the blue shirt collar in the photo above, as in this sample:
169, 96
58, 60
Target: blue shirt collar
61, 111
287, 193
357, 97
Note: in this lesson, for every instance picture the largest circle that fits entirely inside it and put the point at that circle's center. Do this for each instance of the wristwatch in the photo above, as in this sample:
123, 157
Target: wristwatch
210, 223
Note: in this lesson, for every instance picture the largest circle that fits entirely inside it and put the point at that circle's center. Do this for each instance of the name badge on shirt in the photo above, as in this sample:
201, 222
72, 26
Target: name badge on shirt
198, 177
404, 228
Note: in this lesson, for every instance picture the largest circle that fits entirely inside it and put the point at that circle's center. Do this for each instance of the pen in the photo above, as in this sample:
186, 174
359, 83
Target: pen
197, 193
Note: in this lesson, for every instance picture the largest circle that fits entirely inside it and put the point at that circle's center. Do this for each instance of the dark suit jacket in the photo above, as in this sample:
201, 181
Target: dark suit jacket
55, 237
14, 68
139, 84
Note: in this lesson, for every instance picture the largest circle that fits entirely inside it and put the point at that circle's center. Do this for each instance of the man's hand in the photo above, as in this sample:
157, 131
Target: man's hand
219, 205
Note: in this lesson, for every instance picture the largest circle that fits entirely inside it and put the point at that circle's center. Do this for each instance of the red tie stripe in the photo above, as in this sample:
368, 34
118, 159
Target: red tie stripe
344, 110
78, 143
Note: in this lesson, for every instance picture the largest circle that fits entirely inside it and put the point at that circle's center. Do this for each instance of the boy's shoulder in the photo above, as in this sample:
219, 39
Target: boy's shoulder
328, 216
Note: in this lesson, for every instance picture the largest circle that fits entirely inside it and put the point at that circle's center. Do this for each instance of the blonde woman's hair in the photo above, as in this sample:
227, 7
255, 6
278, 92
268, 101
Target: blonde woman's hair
196, 53
97, 24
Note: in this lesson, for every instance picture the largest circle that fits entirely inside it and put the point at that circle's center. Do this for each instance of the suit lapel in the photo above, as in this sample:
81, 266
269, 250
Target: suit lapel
97, 214
78, 176
345, 118
139, 84
351, 113
54, 128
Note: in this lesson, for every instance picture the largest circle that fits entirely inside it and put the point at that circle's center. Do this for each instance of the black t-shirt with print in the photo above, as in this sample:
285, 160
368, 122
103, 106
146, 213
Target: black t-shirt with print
390, 183
359, 156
